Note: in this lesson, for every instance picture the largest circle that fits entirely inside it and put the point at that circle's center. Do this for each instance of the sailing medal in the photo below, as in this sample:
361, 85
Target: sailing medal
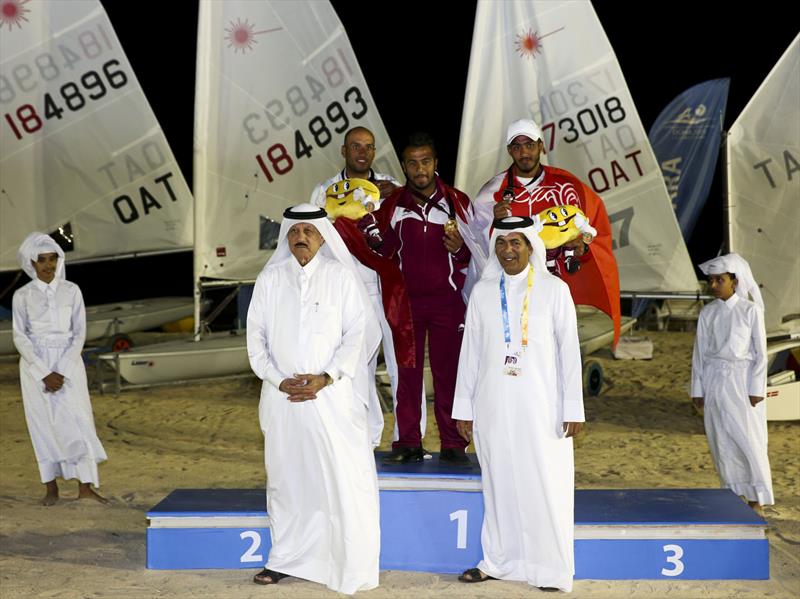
512, 365
450, 227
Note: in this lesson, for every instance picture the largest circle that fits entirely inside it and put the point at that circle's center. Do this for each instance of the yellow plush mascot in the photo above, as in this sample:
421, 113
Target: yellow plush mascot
559, 226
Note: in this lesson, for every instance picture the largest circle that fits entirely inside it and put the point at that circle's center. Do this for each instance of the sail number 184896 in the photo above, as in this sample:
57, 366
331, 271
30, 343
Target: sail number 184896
27, 119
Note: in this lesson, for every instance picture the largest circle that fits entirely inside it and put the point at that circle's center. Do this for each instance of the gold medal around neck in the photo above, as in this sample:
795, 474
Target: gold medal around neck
450, 227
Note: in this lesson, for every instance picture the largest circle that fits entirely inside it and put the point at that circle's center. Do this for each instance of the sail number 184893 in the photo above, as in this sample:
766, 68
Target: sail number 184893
338, 117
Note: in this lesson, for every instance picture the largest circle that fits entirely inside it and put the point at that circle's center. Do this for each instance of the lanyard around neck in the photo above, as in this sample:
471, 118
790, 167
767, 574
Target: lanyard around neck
504, 309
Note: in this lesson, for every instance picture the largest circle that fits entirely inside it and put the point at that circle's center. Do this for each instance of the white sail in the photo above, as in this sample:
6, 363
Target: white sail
278, 85
80, 148
551, 61
764, 187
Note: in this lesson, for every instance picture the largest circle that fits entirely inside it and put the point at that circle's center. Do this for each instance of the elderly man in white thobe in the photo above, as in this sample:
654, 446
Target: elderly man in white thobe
519, 396
49, 330
729, 379
310, 328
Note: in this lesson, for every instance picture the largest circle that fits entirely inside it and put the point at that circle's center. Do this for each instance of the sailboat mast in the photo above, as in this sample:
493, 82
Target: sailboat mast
201, 116
727, 187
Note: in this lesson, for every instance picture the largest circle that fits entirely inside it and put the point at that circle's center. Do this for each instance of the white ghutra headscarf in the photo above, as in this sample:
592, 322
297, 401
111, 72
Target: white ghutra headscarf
735, 264
38, 243
333, 248
516, 224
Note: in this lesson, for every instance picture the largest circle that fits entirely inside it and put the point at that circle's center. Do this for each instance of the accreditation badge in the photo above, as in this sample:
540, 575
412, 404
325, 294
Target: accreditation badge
512, 365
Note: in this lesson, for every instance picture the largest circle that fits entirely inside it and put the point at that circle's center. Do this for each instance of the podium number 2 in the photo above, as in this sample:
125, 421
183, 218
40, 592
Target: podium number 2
461, 538
675, 558
250, 555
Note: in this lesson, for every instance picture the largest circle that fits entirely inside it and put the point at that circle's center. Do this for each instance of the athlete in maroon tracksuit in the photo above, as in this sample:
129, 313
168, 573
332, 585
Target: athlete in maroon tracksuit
422, 234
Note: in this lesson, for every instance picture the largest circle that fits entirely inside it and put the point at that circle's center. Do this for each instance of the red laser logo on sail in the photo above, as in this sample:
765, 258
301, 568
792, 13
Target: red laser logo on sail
242, 36
529, 43
12, 12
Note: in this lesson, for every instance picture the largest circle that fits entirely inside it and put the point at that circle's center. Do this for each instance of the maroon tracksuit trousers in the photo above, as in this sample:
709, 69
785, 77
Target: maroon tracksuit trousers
440, 317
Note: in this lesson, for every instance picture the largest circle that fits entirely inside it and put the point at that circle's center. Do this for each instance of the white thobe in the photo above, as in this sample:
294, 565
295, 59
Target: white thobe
322, 488
728, 365
49, 331
526, 461
372, 283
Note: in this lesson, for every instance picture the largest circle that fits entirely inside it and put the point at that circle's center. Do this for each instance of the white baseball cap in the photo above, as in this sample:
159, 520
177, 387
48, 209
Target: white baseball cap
524, 127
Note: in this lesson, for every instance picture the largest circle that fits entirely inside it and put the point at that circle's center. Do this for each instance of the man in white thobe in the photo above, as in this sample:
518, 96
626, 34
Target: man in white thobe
309, 329
729, 379
49, 330
519, 396
358, 151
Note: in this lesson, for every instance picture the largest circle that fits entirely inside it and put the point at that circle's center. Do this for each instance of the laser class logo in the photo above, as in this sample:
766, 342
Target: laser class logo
529, 43
242, 36
12, 12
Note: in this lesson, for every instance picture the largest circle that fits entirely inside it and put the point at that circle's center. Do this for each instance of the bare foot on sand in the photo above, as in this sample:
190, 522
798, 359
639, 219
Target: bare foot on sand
51, 493
85, 491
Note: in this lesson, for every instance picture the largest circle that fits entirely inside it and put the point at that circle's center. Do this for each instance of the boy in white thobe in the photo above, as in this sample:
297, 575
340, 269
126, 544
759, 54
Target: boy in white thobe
49, 329
729, 379
519, 380
310, 328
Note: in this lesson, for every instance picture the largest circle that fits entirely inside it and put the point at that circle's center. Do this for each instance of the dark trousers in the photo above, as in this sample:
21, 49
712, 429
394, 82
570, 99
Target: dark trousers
441, 317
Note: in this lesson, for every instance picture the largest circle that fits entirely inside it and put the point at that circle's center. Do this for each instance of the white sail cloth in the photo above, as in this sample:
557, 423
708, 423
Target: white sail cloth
728, 365
527, 463
322, 489
552, 62
49, 322
764, 188
81, 148
278, 84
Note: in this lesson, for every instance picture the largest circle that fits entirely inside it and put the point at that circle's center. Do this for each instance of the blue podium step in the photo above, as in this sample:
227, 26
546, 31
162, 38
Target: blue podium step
431, 518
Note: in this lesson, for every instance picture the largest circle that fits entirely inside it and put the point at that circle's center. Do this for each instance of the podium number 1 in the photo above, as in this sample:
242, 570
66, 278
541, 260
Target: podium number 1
250, 555
675, 559
461, 539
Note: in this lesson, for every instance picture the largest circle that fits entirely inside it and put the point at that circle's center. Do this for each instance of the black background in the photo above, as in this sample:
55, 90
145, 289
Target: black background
415, 57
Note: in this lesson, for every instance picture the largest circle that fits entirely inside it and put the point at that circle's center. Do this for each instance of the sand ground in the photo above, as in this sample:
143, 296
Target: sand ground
641, 433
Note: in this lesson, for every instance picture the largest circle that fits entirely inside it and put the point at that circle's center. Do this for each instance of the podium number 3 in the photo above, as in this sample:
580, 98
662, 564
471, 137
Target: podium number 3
675, 559
461, 539
250, 555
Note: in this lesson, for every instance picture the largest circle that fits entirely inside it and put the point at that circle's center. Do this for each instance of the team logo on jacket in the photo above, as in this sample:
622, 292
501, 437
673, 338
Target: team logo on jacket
557, 194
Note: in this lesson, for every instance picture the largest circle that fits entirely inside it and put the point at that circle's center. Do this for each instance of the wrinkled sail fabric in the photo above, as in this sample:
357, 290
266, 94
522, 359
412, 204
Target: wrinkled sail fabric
277, 87
81, 152
764, 187
551, 61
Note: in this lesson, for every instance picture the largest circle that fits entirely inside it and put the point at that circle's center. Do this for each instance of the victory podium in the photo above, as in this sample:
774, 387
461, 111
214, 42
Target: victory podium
431, 517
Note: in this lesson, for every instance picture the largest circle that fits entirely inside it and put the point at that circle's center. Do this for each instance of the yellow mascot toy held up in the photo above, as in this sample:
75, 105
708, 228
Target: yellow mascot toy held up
560, 225
351, 198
